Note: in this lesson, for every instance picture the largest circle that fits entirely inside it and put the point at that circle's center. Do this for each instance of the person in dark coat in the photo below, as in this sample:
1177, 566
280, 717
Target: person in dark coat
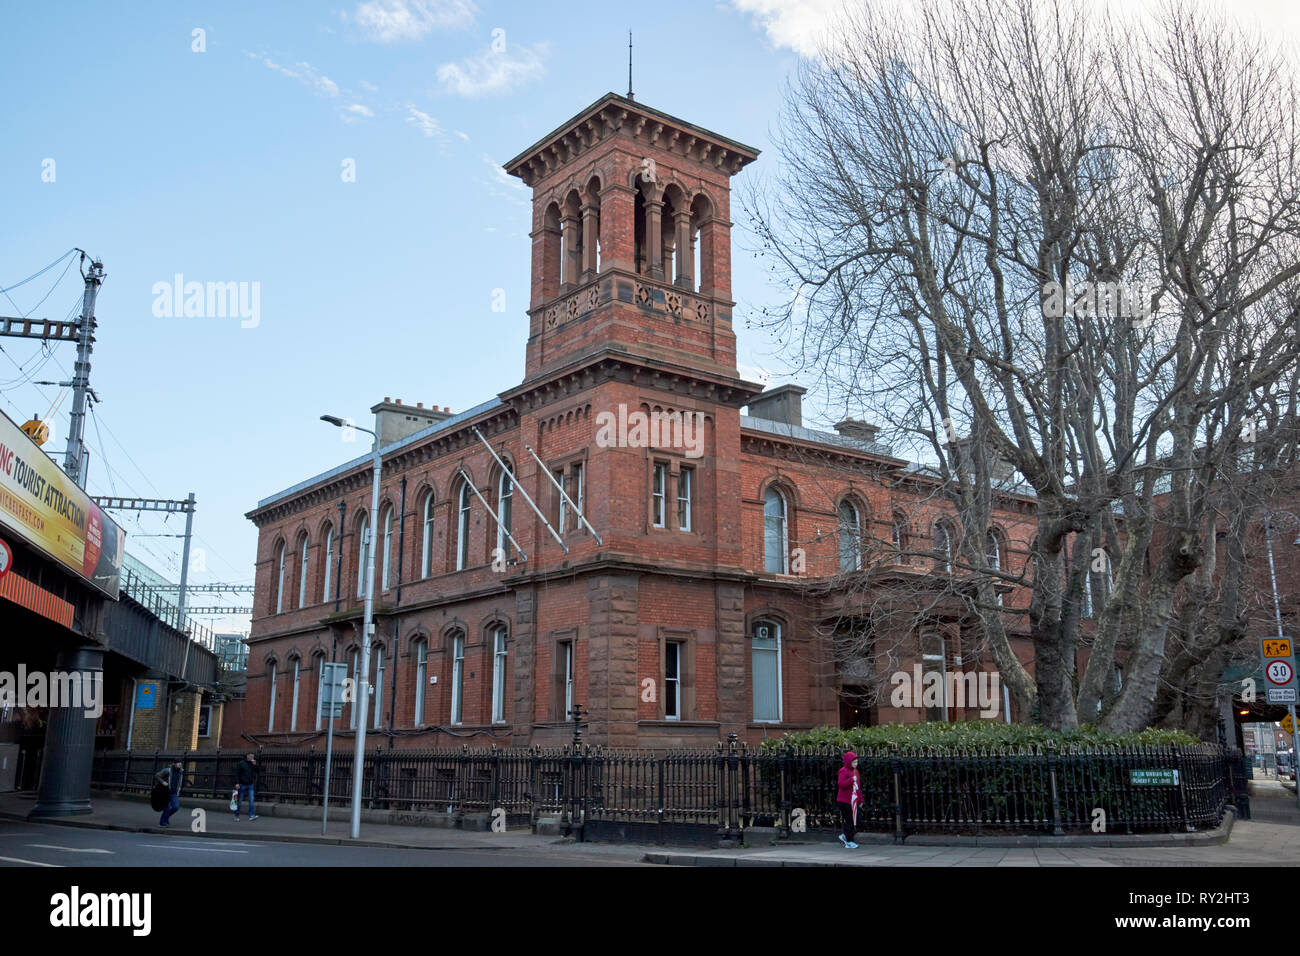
171, 777
246, 772
848, 795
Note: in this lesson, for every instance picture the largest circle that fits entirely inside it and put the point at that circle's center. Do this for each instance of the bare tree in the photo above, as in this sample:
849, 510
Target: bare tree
1013, 234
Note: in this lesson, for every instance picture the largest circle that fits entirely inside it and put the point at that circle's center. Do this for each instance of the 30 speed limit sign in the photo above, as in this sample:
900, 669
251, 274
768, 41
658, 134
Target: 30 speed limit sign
1279, 670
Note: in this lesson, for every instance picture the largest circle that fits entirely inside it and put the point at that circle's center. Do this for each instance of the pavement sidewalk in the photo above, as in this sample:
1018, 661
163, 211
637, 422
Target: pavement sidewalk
137, 816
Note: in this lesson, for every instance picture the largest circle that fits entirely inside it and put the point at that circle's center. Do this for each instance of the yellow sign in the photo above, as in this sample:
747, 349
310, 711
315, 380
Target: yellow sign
1277, 647
1288, 725
44, 507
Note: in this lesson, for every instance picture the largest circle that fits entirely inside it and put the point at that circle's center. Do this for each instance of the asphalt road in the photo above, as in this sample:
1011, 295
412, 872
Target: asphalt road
44, 845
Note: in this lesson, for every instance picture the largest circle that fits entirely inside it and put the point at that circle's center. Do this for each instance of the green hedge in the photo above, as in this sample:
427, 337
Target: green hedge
972, 735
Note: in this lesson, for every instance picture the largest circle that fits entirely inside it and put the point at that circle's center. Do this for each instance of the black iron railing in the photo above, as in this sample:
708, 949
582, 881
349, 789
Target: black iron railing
733, 788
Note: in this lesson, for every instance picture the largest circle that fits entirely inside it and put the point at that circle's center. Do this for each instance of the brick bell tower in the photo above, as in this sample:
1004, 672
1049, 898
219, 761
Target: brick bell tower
631, 237
631, 311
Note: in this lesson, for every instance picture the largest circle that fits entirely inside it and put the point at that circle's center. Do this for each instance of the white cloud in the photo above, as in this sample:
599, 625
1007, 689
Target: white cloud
797, 24
464, 136
504, 186
304, 73
357, 111
397, 21
369, 86
800, 24
425, 123
491, 72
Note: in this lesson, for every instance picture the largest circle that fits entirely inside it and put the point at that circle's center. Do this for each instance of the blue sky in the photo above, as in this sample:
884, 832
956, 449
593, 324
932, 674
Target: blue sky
225, 165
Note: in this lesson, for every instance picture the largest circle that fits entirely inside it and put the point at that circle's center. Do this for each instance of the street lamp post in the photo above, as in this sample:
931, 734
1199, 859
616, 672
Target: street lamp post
362, 690
1277, 612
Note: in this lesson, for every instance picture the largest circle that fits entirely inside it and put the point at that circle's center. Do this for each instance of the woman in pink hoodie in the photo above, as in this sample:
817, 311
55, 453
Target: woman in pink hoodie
848, 795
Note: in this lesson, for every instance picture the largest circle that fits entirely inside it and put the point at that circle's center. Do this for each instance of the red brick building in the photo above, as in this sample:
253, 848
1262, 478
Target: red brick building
686, 611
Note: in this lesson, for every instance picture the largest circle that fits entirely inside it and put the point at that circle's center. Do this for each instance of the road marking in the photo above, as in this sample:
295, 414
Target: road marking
69, 849
197, 849
14, 859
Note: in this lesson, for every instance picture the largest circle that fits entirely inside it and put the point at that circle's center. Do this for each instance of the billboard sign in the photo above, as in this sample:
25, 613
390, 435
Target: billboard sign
44, 507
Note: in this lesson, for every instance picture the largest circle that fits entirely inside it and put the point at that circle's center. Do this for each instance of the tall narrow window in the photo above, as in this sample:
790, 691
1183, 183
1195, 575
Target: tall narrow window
898, 534
302, 574
765, 664
462, 529
320, 690
673, 680
563, 512
457, 677
943, 547
505, 498
388, 548
293, 714
329, 562
363, 554
426, 547
850, 537
279, 587
657, 506
499, 674
357, 690
377, 720
933, 662
684, 499
566, 662
993, 552
421, 680
775, 550
270, 719
575, 491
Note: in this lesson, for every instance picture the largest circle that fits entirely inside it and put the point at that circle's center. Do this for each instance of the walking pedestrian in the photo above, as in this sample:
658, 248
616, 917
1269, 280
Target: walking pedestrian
171, 777
246, 772
848, 795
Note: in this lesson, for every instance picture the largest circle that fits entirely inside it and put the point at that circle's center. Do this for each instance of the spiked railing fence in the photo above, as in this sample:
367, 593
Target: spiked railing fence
730, 789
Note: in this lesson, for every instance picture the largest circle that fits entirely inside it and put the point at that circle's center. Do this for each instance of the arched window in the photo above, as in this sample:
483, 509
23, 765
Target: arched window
279, 586
498, 633
270, 717
765, 668
943, 547
387, 553
293, 713
462, 529
898, 533
426, 547
505, 495
302, 573
993, 553
850, 537
377, 720
363, 553
775, 539
457, 677
328, 571
421, 679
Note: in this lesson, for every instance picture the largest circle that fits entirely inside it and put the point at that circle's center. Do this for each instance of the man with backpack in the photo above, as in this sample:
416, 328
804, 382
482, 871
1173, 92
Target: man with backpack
170, 777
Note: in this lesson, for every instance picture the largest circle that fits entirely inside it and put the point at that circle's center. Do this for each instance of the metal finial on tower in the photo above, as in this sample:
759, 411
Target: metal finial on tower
629, 66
